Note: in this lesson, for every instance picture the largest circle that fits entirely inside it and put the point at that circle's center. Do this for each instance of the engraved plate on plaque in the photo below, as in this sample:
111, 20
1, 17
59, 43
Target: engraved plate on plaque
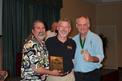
56, 63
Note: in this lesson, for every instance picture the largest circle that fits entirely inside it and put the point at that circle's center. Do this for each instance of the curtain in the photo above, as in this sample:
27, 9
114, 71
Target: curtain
49, 14
17, 18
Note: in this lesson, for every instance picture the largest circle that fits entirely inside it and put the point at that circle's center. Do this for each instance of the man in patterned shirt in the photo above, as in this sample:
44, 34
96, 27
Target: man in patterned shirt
35, 64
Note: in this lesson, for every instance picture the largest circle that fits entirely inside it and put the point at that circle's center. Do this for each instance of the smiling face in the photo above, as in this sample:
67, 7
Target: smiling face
63, 28
39, 30
83, 25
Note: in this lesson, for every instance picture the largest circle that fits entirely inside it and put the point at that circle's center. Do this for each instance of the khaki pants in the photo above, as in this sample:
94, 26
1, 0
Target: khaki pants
68, 77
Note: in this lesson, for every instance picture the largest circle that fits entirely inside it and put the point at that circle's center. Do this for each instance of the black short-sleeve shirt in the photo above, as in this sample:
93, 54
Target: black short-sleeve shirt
65, 50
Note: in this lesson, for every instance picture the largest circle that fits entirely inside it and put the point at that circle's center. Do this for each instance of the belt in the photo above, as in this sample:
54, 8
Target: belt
65, 73
94, 71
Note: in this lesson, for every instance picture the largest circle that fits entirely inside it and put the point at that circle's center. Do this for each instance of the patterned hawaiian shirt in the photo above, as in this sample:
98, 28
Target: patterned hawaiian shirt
35, 55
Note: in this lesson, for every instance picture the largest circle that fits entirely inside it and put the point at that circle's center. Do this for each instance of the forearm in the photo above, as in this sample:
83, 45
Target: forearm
94, 59
42, 70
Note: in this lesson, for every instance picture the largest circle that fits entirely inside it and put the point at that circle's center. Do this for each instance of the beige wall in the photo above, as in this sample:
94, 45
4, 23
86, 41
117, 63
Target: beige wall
109, 14
106, 15
75, 8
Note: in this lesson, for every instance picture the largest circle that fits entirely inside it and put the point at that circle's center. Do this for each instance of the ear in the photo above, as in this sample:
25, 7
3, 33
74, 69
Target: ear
32, 31
76, 25
69, 29
89, 25
57, 28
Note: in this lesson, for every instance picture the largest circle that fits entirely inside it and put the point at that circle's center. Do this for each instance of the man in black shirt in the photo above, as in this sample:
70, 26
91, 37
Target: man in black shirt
62, 46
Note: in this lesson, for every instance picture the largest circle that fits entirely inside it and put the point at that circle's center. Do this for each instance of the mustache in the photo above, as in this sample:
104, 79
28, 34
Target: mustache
41, 34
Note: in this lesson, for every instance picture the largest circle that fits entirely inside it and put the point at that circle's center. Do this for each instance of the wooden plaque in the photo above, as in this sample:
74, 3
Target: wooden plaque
56, 63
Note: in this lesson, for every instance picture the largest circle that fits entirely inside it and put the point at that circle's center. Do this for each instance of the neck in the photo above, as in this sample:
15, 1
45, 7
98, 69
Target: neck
83, 36
38, 39
62, 39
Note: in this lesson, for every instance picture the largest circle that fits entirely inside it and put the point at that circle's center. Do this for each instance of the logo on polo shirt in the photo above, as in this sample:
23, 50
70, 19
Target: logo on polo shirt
69, 47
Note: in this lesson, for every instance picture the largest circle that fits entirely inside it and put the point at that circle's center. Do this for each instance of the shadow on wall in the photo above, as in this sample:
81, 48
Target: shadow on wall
104, 40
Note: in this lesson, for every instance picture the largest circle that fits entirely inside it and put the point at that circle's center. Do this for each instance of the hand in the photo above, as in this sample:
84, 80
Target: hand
87, 56
55, 72
40, 70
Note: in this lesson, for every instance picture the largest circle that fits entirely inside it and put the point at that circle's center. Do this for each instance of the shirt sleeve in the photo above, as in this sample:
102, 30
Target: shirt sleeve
99, 49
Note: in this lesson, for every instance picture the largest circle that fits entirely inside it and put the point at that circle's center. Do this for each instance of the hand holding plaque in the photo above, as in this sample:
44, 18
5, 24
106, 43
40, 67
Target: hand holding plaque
56, 63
